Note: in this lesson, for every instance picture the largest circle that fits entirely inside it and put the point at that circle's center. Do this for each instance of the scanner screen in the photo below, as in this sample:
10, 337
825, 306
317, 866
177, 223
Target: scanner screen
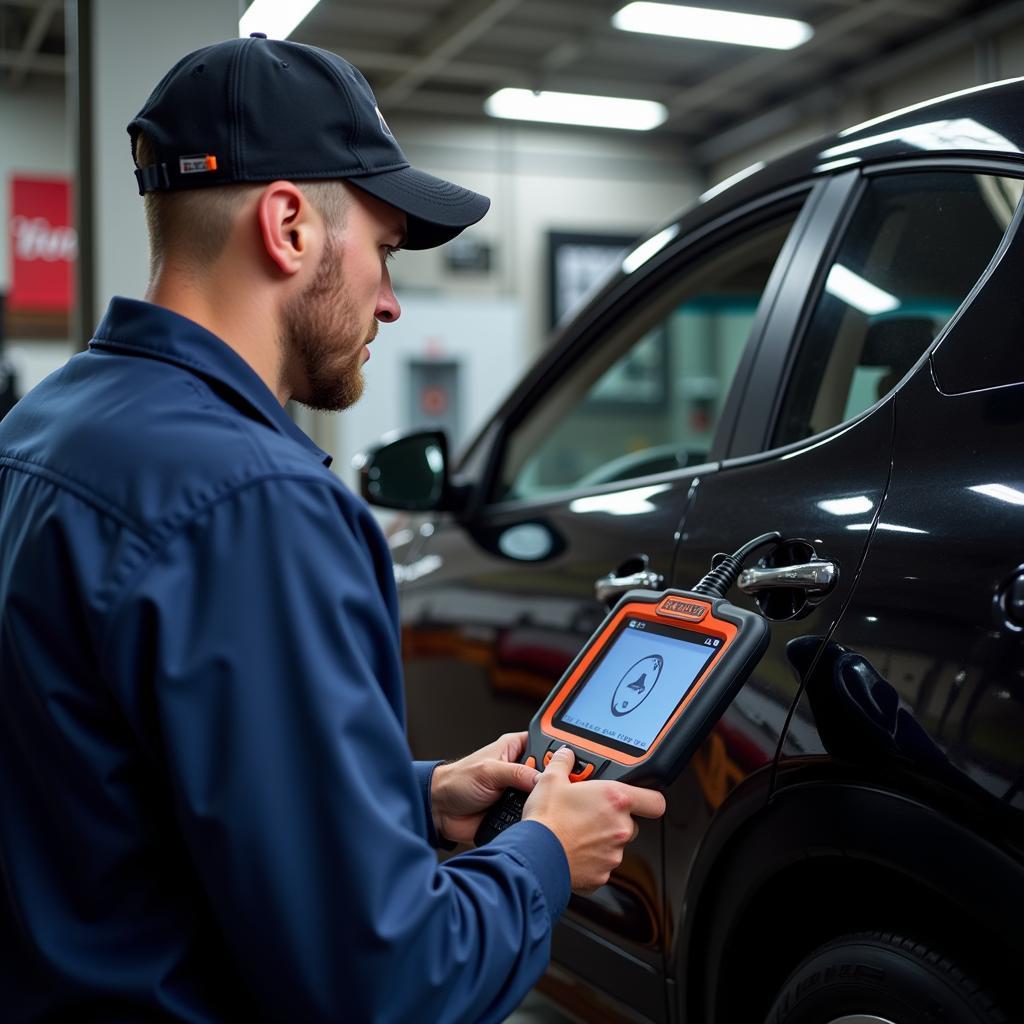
631, 691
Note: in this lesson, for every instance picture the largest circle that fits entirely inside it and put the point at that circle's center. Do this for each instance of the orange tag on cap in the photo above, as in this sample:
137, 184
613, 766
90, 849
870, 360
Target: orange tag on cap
198, 164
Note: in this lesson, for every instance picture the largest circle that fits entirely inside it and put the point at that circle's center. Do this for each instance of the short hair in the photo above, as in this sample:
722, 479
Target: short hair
192, 225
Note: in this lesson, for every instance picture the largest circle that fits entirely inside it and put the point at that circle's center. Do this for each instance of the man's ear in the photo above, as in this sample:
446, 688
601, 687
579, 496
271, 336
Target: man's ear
289, 226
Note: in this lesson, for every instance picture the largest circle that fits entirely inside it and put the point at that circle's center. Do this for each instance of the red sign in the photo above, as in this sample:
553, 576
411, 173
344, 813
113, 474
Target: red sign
43, 245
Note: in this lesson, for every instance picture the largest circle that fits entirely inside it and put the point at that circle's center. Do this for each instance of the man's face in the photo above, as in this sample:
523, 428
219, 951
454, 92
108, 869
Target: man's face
327, 328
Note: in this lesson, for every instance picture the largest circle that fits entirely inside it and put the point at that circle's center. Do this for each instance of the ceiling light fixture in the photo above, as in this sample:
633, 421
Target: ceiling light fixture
576, 108
713, 26
277, 19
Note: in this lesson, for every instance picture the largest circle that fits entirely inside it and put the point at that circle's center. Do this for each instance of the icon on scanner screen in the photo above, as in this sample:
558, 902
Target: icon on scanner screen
636, 685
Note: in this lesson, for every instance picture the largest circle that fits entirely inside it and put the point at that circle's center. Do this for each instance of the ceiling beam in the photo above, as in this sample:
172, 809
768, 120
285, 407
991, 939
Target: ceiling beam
900, 63
33, 39
746, 74
493, 76
451, 35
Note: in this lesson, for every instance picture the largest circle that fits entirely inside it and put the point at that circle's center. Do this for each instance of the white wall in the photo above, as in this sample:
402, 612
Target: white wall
484, 335
34, 140
539, 180
130, 56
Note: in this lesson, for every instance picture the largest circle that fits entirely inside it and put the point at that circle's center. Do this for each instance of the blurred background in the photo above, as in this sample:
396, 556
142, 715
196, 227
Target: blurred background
478, 91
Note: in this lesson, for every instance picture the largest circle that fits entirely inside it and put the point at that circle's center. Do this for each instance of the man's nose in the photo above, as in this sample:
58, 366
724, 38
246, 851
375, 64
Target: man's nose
388, 310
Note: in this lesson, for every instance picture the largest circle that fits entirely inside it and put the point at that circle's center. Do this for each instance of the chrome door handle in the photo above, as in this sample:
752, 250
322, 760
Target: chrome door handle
813, 576
607, 587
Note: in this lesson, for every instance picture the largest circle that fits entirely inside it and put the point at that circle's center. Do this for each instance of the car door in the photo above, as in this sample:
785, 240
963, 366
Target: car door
588, 473
811, 457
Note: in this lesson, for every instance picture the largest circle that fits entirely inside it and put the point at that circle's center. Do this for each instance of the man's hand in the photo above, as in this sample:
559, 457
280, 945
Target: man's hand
460, 792
593, 820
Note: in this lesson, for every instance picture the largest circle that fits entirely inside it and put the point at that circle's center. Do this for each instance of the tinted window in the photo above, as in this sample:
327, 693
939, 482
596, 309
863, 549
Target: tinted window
984, 350
915, 247
646, 399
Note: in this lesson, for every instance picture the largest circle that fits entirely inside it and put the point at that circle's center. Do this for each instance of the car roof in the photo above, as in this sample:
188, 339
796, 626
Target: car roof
985, 121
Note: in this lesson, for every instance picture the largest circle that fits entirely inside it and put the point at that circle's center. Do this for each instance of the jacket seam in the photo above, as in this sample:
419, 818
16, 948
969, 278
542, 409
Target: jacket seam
160, 543
78, 489
209, 400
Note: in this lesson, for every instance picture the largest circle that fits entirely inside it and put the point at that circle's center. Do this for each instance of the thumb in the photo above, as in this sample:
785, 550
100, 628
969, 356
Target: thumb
561, 764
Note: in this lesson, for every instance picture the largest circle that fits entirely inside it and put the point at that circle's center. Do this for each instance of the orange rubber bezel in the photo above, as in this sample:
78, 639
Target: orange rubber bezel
708, 625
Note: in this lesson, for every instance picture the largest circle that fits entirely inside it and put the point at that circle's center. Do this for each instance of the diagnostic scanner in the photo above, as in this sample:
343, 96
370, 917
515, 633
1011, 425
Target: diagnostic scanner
647, 687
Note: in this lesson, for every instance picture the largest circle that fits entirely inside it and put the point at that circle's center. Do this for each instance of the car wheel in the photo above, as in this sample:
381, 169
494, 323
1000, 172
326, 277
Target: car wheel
880, 978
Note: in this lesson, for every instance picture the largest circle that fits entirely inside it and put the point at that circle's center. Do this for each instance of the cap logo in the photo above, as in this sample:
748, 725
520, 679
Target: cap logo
197, 164
383, 124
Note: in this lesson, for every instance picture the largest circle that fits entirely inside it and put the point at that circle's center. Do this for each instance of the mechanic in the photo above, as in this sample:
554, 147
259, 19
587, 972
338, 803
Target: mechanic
209, 811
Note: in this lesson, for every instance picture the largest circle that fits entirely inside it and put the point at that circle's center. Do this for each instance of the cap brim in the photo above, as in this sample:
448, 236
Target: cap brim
436, 210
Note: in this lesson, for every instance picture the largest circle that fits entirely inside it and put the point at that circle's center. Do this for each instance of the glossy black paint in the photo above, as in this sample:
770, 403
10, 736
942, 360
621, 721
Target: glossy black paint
871, 771
486, 637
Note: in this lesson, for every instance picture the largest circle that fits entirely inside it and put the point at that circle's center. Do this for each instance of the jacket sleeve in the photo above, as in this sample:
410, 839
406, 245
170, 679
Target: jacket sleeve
424, 777
258, 650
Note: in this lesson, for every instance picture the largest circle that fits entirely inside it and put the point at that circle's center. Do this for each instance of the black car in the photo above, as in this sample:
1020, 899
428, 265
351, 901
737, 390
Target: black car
833, 348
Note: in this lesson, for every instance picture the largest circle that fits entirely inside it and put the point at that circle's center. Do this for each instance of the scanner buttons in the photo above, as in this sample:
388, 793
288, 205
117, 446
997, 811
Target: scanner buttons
580, 770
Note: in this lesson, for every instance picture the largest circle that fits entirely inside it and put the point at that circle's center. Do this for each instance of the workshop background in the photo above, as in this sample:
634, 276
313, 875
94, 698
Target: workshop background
568, 200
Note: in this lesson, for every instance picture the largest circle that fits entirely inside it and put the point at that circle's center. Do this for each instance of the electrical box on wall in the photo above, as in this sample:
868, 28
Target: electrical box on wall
434, 400
444, 364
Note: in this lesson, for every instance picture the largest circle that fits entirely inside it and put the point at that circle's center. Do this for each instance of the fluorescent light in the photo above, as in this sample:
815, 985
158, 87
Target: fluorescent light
277, 18
1000, 492
713, 26
855, 291
576, 108
645, 250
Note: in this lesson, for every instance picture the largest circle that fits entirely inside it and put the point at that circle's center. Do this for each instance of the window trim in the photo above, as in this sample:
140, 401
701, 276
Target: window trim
759, 408
592, 324
775, 370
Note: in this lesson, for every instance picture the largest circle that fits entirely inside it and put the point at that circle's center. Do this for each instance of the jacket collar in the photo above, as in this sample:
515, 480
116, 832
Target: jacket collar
142, 329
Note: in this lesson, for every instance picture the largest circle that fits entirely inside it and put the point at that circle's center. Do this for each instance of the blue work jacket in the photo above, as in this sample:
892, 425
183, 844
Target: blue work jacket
208, 809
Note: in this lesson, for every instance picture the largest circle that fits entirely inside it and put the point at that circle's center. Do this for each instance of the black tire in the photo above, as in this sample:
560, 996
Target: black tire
879, 976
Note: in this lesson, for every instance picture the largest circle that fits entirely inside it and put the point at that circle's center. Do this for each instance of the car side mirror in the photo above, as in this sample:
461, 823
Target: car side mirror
408, 473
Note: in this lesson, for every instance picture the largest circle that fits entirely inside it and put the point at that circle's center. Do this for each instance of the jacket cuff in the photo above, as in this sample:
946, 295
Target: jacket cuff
425, 774
539, 848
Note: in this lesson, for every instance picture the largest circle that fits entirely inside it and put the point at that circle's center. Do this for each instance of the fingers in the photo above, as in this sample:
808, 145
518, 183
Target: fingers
645, 803
513, 745
561, 764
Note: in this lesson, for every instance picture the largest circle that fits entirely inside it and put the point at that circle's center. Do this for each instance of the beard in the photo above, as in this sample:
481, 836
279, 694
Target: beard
322, 341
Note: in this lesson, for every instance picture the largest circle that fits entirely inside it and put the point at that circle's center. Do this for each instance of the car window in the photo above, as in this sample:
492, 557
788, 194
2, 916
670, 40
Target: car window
915, 247
647, 397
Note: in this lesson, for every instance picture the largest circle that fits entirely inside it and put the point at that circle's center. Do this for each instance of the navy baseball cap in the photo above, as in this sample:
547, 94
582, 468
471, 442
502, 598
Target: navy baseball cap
256, 109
